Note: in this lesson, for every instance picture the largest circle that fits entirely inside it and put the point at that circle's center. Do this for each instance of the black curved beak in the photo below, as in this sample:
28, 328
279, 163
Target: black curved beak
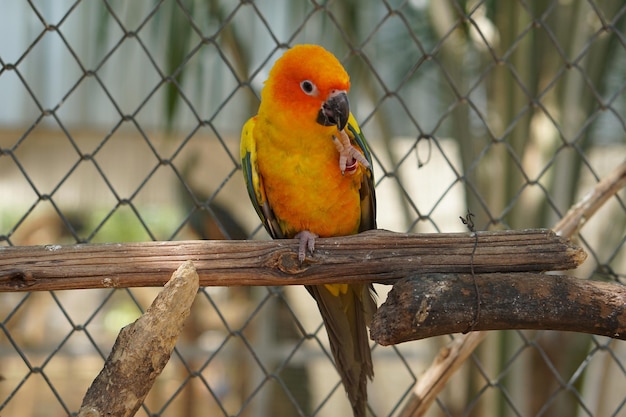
335, 111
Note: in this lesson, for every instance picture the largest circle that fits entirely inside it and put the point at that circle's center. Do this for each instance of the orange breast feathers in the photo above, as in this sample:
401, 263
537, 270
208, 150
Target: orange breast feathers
303, 182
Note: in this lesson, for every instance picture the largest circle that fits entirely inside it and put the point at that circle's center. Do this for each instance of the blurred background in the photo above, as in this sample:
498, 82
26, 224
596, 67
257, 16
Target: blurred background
120, 121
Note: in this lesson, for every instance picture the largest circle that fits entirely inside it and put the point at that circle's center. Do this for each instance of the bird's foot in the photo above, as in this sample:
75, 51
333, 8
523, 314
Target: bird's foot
349, 156
307, 241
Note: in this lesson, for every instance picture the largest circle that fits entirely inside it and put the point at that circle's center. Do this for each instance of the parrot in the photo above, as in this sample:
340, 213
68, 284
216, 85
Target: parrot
308, 172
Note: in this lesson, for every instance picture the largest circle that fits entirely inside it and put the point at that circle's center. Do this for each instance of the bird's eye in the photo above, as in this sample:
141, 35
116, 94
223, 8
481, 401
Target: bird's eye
308, 87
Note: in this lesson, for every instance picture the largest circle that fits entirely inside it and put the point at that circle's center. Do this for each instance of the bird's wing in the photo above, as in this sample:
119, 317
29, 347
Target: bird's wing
368, 196
254, 181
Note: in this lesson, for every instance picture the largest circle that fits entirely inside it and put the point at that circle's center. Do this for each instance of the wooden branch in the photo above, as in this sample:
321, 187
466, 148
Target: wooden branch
590, 203
446, 363
434, 379
437, 304
142, 350
375, 256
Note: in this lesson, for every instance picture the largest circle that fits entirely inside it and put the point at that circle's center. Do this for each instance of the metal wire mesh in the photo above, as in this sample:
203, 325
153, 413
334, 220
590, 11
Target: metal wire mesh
119, 121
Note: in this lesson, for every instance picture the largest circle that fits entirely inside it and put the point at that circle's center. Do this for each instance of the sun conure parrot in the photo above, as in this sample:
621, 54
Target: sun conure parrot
308, 172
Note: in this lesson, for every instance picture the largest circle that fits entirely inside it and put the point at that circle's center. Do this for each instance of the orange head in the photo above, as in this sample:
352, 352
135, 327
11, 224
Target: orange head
307, 85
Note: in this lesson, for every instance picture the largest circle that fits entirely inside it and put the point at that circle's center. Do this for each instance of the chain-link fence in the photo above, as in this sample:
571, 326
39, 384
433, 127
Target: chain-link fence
119, 121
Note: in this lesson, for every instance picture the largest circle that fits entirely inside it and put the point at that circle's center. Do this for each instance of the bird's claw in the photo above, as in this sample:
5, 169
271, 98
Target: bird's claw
307, 241
349, 156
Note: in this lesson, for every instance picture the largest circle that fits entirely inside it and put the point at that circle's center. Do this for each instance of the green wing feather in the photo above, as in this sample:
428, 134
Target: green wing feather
368, 196
254, 181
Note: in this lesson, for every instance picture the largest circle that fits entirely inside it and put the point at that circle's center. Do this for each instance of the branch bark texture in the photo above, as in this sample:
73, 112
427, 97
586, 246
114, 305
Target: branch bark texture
374, 256
437, 304
142, 350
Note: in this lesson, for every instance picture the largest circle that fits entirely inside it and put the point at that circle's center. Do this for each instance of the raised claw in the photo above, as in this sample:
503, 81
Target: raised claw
349, 156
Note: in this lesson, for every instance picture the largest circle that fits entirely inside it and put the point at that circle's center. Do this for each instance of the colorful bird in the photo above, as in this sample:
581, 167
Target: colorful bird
308, 171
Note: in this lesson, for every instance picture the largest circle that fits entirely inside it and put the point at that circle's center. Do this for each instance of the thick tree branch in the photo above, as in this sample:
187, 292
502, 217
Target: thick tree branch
375, 256
437, 304
142, 350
